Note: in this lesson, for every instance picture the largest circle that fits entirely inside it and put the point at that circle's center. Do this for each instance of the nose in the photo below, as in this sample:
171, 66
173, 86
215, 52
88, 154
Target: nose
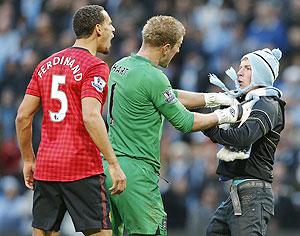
240, 72
113, 28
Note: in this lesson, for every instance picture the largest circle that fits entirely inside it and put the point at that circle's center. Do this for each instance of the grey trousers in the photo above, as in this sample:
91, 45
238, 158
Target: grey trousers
257, 206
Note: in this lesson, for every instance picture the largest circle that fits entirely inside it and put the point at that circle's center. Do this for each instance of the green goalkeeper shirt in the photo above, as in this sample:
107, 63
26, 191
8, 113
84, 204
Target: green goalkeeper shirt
140, 96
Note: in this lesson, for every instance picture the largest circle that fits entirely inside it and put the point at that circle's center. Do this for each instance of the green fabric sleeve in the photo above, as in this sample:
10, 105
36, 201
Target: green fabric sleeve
178, 116
175, 92
164, 99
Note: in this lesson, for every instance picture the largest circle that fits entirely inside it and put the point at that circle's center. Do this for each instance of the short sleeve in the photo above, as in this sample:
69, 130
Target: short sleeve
33, 86
95, 82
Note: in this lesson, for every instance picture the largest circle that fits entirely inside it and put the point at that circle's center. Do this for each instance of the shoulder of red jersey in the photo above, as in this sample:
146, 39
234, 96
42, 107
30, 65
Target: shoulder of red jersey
43, 62
79, 60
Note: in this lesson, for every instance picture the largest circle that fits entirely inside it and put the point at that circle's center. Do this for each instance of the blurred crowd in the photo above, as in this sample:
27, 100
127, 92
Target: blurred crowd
219, 33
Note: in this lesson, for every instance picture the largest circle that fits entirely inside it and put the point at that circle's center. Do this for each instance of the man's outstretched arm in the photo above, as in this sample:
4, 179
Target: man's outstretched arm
187, 121
192, 100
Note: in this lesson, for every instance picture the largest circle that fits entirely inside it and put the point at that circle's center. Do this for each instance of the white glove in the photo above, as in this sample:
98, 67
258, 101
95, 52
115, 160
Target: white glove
226, 155
229, 115
217, 99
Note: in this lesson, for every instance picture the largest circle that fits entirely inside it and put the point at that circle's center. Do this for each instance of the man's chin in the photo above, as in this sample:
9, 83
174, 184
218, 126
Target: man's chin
104, 51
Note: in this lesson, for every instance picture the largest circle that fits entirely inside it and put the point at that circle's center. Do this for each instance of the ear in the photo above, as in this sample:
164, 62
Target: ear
166, 48
98, 29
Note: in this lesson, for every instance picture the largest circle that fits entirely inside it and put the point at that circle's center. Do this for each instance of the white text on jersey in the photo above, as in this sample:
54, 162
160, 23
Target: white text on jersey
68, 61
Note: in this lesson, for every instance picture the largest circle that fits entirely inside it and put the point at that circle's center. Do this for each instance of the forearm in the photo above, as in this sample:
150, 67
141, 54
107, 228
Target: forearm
191, 100
96, 128
241, 137
204, 121
24, 136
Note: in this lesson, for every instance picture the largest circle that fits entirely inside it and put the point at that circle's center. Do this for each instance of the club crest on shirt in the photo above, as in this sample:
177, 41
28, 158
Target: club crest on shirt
98, 83
169, 95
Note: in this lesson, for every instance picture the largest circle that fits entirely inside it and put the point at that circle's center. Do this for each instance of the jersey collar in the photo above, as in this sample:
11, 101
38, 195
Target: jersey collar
138, 57
81, 49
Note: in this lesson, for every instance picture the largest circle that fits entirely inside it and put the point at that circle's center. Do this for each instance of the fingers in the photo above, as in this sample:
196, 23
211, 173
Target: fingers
118, 178
118, 186
28, 171
29, 182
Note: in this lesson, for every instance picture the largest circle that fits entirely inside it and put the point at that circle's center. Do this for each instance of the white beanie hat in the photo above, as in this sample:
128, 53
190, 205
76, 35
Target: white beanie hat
265, 66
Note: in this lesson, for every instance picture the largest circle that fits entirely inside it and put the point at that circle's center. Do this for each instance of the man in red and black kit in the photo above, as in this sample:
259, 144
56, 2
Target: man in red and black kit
67, 174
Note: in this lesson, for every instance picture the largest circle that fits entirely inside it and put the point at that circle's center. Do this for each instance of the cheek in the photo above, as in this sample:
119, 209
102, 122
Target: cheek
249, 77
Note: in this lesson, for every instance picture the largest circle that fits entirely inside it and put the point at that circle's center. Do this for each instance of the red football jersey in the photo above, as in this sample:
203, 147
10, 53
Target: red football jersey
66, 150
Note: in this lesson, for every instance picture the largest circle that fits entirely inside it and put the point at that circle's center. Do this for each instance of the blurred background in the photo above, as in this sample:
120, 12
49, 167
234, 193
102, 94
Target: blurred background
219, 33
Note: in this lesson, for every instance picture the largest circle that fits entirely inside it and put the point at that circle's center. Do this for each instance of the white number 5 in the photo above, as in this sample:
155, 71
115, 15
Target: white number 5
61, 96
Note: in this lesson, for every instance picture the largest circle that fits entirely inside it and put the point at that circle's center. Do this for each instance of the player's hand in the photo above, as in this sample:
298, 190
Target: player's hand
28, 170
229, 115
218, 99
118, 179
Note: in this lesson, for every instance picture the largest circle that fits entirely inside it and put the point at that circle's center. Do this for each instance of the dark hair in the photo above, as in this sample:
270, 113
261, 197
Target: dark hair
85, 19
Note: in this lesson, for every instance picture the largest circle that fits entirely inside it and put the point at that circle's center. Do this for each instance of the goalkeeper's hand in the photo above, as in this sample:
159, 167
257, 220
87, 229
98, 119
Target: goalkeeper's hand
229, 115
218, 99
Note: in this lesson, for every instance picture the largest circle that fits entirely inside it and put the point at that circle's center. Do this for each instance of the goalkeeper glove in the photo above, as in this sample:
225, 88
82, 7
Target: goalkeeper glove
217, 99
229, 115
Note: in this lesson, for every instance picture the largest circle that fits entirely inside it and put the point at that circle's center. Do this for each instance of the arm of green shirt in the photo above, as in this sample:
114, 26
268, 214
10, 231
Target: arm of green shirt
178, 116
164, 99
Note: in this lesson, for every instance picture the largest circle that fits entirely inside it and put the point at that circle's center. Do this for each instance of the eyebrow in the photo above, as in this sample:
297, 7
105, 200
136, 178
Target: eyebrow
245, 66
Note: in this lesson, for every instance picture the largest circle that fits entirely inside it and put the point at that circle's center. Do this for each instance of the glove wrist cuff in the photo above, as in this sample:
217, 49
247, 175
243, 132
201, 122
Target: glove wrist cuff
210, 99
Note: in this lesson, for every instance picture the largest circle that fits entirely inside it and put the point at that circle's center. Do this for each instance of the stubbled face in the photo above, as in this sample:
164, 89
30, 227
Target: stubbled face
244, 73
170, 53
107, 33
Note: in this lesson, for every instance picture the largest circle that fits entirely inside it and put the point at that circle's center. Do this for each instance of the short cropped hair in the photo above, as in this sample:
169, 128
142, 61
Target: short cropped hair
160, 30
85, 19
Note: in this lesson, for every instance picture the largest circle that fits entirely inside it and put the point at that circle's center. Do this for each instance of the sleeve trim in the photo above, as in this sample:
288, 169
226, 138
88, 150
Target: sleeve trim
32, 92
90, 96
275, 132
274, 145
266, 116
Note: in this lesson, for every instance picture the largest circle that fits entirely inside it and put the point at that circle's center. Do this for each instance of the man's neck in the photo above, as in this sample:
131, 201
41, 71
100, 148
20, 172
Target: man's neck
87, 44
151, 53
